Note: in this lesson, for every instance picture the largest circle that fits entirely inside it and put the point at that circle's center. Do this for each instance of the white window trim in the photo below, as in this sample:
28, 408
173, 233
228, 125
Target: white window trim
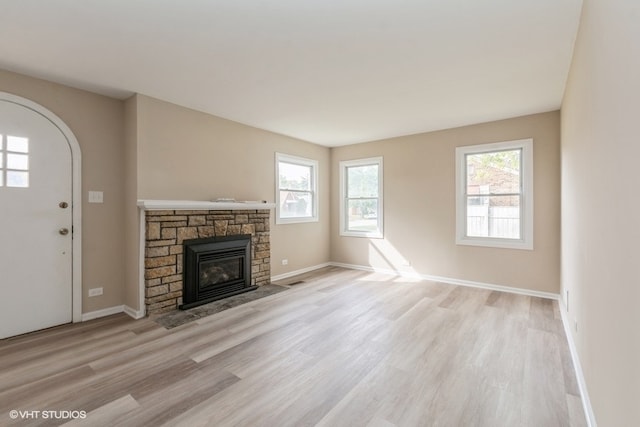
526, 210
343, 197
286, 158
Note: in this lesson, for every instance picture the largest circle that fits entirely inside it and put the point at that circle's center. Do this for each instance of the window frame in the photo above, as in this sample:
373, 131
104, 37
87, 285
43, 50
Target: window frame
5, 153
344, 165
300, 161
526, 195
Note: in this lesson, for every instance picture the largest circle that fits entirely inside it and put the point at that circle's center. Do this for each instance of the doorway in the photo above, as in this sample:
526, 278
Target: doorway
39, 219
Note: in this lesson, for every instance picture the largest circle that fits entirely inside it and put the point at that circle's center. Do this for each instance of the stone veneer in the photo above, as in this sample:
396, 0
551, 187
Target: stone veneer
167, 229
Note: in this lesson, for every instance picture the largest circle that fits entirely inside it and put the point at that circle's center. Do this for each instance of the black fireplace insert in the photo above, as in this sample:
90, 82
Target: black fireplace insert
215, 268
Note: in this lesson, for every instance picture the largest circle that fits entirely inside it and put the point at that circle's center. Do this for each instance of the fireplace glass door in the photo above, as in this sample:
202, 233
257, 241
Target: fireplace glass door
216, 268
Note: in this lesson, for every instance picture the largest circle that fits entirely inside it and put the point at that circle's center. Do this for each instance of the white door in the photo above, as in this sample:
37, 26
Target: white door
35, 222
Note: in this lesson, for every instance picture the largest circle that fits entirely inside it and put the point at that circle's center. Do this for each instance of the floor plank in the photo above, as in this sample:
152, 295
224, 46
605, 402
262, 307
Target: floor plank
338, 348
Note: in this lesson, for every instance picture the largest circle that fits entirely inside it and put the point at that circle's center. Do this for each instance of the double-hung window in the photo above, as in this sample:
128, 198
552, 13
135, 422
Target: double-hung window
361, 198
297, 193
494, 186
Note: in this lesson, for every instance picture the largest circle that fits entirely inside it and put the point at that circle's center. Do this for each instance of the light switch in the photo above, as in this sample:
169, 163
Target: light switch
96, 197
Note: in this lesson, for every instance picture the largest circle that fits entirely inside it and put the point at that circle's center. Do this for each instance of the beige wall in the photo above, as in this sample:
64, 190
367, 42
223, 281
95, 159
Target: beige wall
187, 155
600, 205
97, 123
419, 207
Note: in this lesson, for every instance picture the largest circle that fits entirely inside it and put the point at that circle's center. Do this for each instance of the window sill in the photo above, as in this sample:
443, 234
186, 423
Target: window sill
282, 221
374, 235
488, 242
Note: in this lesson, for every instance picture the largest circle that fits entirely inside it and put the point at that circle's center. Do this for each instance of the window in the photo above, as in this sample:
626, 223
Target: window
297, 194
361, 198
494, 203
14, 161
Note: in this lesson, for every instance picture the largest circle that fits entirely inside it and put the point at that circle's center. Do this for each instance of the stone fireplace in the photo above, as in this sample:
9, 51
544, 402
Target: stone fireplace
167, 230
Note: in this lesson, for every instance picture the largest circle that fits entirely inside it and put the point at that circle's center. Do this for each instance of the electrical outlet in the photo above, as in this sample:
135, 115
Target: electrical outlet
95, 292
285, 261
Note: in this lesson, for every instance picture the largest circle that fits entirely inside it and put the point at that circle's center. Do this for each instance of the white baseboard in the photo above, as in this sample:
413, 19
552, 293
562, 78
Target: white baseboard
301, 271
582, 384
136, 314
101, 313
469, 283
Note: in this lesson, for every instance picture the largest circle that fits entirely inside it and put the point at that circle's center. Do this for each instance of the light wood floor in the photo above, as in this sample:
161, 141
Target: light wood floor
344, 348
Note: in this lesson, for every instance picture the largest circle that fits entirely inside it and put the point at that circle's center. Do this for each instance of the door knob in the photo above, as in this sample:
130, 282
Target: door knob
63, 231
63, 205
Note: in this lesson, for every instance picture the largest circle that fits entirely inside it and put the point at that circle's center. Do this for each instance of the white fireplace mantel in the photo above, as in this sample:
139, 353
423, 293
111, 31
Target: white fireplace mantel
149, 205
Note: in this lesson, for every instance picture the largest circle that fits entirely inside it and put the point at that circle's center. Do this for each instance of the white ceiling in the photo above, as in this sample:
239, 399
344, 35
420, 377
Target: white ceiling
332, 72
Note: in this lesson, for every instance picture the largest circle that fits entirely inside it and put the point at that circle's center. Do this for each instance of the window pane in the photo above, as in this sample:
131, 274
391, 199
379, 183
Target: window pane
18, 161
295, 204
493, 216
294, 177
362, 215
17, 144
362, 181
493, 173
17, 179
